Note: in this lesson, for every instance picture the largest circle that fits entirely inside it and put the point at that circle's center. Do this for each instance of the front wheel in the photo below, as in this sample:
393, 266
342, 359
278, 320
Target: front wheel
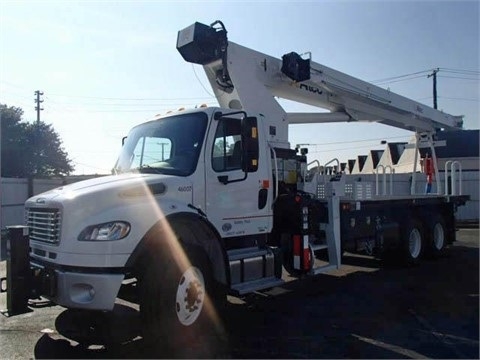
178, 305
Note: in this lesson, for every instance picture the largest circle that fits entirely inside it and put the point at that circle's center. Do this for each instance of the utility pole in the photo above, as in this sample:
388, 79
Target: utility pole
36, 139
163, 149
1, 150
38, 101
434, 74
1, 195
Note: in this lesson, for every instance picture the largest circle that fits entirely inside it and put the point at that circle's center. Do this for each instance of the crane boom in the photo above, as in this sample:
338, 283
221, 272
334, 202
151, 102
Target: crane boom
242, 78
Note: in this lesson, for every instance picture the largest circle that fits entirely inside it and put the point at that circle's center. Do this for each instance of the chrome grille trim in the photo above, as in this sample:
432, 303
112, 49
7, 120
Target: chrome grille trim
44, 225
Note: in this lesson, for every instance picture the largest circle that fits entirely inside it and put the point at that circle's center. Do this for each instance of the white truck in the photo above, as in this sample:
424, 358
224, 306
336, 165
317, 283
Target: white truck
214, 201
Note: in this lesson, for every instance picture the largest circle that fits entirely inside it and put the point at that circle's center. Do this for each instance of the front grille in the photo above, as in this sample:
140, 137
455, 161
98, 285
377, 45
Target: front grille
44, 225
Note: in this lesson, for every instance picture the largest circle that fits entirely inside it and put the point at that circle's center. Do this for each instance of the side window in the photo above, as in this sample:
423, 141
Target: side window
227, 146
151, 150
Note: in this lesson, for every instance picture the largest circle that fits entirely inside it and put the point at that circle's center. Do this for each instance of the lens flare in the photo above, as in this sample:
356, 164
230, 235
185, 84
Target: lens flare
191, 302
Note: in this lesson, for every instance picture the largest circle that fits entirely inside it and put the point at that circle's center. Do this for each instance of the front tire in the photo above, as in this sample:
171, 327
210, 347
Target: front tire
178, 305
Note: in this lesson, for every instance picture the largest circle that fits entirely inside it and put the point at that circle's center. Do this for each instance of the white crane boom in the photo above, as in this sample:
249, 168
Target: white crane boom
246, 79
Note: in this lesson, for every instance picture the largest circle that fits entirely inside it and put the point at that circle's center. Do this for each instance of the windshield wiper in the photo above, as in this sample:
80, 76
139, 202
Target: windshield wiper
148, 169
141, 169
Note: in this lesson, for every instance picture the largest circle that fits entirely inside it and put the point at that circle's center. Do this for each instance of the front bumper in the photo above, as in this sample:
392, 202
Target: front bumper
81, 289
86, 287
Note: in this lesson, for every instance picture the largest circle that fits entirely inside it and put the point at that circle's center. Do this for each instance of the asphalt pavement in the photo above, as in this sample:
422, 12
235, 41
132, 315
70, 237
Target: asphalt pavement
364, 310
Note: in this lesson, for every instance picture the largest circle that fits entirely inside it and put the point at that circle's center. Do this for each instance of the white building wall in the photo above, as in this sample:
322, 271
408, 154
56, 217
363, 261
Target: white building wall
14, 193
386, 159
368, 167
356, 169
407, 160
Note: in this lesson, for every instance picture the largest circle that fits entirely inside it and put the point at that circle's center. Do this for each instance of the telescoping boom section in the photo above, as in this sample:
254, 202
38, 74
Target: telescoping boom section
249, 80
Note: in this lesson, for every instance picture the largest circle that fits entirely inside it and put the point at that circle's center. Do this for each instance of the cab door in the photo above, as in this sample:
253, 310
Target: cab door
238, 196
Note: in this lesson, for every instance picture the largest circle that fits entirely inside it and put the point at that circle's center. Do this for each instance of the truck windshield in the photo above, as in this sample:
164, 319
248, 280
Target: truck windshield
166, 146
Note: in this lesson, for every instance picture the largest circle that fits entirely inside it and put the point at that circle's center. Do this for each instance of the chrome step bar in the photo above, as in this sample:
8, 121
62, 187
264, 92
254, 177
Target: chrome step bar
256, 285
253, 269
322, 269
316, 247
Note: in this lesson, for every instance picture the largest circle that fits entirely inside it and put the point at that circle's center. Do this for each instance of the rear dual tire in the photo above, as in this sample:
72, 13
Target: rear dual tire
412, 242
436, 237
429, 239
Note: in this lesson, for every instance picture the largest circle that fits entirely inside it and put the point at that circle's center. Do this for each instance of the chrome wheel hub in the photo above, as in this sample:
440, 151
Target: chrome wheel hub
190, 296
438, 236
415, 243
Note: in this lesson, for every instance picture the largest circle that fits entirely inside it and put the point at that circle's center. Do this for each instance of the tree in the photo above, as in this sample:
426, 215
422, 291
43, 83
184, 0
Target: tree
30, 149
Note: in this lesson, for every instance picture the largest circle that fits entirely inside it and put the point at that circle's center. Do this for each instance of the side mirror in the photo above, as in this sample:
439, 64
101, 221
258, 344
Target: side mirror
250, 144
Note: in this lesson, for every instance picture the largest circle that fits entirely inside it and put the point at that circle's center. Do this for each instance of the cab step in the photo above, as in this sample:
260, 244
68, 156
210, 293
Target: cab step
323, 269
246, 253
316, 247
256, 285
254, 268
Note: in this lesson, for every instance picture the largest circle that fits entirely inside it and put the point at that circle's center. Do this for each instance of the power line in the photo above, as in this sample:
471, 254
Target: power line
461, 71
90, 166
152, 110
400, 76
458, 77
342, 149
399, 80
123, 105
17, 94
13, 85
416, 75
425, 98
114, 98
122, 111
457, 98
200, 82
130, 99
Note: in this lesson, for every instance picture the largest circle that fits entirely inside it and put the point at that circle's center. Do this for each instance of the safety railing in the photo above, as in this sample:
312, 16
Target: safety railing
320, 169
451, 167
305, 172
332, 161
384, 179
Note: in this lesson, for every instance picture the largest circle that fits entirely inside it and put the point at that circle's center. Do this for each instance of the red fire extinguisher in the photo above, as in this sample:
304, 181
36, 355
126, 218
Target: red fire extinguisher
429, 169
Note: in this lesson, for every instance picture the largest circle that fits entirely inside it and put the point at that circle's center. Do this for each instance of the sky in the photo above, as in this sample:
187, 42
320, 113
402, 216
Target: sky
106, 66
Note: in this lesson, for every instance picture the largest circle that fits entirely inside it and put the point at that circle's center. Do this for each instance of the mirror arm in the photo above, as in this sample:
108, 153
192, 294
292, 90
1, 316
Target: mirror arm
224, 179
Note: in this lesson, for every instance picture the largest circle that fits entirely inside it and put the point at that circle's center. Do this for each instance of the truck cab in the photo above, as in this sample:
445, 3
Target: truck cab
218, 153
202, 163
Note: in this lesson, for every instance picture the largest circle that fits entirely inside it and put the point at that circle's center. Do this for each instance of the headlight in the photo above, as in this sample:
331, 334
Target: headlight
114, 230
